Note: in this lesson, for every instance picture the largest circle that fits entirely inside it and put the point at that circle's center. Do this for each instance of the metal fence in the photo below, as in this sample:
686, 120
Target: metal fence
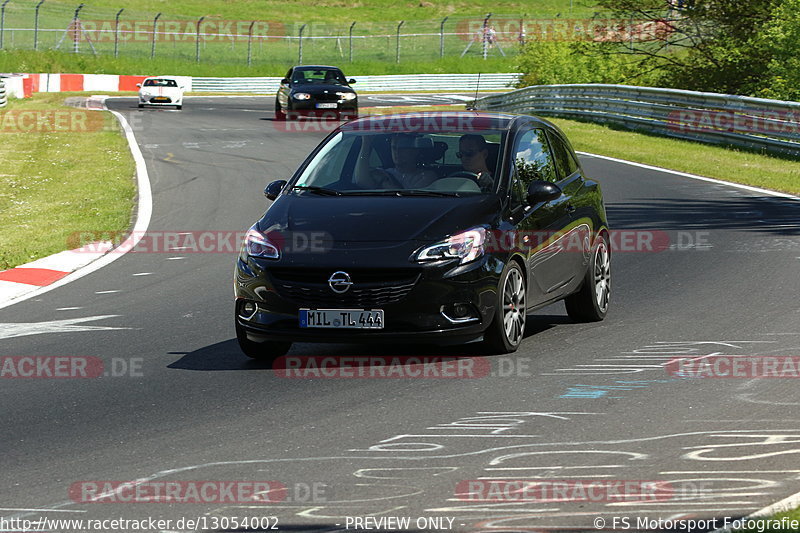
707, 117
126, 32
394, 83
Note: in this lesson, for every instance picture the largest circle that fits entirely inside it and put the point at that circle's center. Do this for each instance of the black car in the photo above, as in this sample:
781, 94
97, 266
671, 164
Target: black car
315, 90
387, 233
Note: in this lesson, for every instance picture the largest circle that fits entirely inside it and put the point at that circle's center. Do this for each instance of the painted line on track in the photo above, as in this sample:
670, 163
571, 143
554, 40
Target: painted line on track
749, 188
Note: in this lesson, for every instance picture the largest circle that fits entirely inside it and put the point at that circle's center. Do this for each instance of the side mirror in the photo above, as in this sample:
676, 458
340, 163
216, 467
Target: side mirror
274, 189
542, 191
139, 85
351, 81
285, 81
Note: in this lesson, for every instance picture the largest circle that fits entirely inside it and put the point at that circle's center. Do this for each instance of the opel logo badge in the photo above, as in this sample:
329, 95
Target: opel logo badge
339, 282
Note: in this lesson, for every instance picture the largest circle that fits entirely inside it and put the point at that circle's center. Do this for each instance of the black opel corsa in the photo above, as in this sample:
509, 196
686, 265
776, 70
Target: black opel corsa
439, 227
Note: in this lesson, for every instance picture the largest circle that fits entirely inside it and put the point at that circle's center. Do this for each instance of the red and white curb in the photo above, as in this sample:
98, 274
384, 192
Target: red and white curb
43, 275
42, 272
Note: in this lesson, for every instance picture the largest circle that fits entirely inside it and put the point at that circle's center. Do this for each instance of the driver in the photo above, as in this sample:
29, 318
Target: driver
473, 152
405, 174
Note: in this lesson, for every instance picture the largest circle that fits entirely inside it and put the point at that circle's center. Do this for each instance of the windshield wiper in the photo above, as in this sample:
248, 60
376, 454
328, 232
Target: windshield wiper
424, 192
400, 192
318, 190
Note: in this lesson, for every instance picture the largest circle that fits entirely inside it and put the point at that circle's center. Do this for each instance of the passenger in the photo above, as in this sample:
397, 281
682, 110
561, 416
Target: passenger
473, 152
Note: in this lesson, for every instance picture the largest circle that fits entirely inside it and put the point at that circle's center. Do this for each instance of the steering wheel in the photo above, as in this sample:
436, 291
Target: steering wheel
464, 174
385, 175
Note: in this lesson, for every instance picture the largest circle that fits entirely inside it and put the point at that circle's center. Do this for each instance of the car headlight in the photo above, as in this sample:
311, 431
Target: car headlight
301, 96
256, 244
346, 96
466, 246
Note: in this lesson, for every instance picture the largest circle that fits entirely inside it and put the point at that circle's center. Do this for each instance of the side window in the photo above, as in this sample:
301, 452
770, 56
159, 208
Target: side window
533, 161
567, 165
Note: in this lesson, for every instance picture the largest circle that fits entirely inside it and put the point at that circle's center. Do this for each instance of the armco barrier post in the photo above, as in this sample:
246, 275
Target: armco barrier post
3, 97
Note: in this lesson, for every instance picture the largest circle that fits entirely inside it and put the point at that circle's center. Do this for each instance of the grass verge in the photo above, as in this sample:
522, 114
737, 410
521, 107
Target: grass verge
54, 184
729, 164
221, 66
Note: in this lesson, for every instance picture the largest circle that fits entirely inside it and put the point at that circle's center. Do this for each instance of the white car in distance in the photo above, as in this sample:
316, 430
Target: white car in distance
160, 91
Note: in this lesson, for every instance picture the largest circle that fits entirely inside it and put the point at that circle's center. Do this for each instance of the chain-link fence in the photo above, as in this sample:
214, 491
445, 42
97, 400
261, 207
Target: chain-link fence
128, 33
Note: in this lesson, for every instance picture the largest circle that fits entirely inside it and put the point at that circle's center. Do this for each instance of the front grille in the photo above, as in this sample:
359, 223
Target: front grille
370, 289
330, 97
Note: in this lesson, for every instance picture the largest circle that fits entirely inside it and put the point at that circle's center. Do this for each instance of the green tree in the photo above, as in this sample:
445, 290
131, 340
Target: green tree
709, 45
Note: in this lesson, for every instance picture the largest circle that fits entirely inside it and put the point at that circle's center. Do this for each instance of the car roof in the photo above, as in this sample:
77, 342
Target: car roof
316, 67
436, 121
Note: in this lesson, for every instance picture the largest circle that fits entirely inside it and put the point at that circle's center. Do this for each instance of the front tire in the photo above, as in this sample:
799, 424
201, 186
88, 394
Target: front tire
590, 303
141, 106
507, 329
279, 114
266, 351
179, 107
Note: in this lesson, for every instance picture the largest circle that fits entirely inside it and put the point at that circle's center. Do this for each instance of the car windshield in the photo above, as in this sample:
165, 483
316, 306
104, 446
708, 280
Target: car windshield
435, 163
160, 83
319, 76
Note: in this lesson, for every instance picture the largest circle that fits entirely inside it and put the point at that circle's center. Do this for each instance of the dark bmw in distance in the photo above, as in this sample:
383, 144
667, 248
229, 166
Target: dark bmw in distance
316, 90
440, 227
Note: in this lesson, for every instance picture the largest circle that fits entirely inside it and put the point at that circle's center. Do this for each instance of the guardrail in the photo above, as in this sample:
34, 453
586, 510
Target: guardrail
707, 117
405, 83
3, 97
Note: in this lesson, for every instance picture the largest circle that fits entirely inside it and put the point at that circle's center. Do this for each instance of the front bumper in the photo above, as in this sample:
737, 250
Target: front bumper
309, 108
416, 317
160, 100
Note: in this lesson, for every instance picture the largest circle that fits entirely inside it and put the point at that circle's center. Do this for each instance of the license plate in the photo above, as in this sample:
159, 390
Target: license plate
341, 318
160, 99
327, 106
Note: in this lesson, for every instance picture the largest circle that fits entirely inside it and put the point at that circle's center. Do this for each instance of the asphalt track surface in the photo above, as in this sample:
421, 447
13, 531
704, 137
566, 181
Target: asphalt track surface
577, 402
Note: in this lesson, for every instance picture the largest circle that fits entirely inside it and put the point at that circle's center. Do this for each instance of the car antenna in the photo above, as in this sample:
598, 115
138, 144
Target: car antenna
472, 106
